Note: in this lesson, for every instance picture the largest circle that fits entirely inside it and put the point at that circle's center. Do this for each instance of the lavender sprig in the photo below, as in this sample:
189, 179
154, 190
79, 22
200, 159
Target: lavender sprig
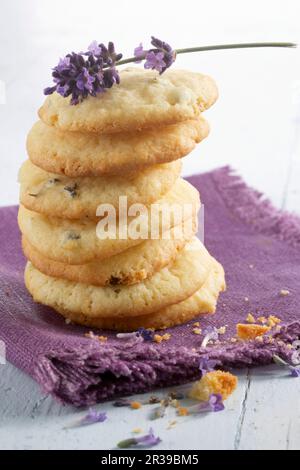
90, 73
216, 47
93, 416
149, 440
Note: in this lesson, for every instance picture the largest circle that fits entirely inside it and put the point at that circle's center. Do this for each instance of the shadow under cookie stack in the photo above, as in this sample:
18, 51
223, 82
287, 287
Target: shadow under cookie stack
125, 143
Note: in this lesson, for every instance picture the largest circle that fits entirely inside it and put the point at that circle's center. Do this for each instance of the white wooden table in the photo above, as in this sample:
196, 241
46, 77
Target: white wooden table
254, 129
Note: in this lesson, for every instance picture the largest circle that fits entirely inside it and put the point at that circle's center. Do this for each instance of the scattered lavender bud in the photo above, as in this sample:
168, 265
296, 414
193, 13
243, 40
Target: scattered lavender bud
149, 440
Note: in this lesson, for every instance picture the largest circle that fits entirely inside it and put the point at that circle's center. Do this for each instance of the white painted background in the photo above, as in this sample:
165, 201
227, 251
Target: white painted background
254, 128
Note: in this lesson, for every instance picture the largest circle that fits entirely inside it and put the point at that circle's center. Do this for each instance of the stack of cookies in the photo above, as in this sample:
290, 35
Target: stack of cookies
84, 256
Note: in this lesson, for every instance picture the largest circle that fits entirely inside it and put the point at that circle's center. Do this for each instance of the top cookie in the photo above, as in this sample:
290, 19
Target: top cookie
143, 99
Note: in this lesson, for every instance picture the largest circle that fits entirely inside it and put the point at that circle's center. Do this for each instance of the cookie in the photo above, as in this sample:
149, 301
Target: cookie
168, 286
203, 301
85, 154
143, 99
129, 267
60, 196
78, 241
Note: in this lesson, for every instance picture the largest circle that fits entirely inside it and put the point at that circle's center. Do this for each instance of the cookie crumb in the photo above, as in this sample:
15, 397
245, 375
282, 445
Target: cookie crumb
182, 411
273, 321
284, 292
246, 332
196, 323
160, 338
259, 339
233, 340
262, 320
172, 424
222, 330
250, 318
90, 334
137, 430
68, 321
217, 381
197, 331
102, 338
135, 405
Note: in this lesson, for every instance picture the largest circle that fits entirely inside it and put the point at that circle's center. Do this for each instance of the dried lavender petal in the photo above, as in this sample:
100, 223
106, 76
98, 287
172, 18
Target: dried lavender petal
149, 440
93, 416
214, 403
155, 61
207, 365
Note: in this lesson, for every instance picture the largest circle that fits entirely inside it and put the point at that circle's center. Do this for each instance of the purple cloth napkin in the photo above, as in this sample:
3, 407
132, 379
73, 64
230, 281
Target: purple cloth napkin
260, 250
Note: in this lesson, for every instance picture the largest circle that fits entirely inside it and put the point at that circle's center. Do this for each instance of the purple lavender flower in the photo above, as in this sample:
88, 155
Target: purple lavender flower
85, 81
94, 49
158, 58
92, 417
86, 73
109, 55
155, 61
110, 77
169, 54
207, 365
139, 53
214, 403
63, 64
62, 90
295, 372
149, 440
146, 334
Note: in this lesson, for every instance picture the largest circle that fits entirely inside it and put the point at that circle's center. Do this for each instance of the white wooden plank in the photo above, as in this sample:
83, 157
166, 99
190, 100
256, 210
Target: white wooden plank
272, 412
248, 132
31, 420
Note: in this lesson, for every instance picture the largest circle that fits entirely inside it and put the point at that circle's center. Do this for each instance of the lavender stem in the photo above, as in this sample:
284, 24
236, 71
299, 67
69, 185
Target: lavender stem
219, 47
